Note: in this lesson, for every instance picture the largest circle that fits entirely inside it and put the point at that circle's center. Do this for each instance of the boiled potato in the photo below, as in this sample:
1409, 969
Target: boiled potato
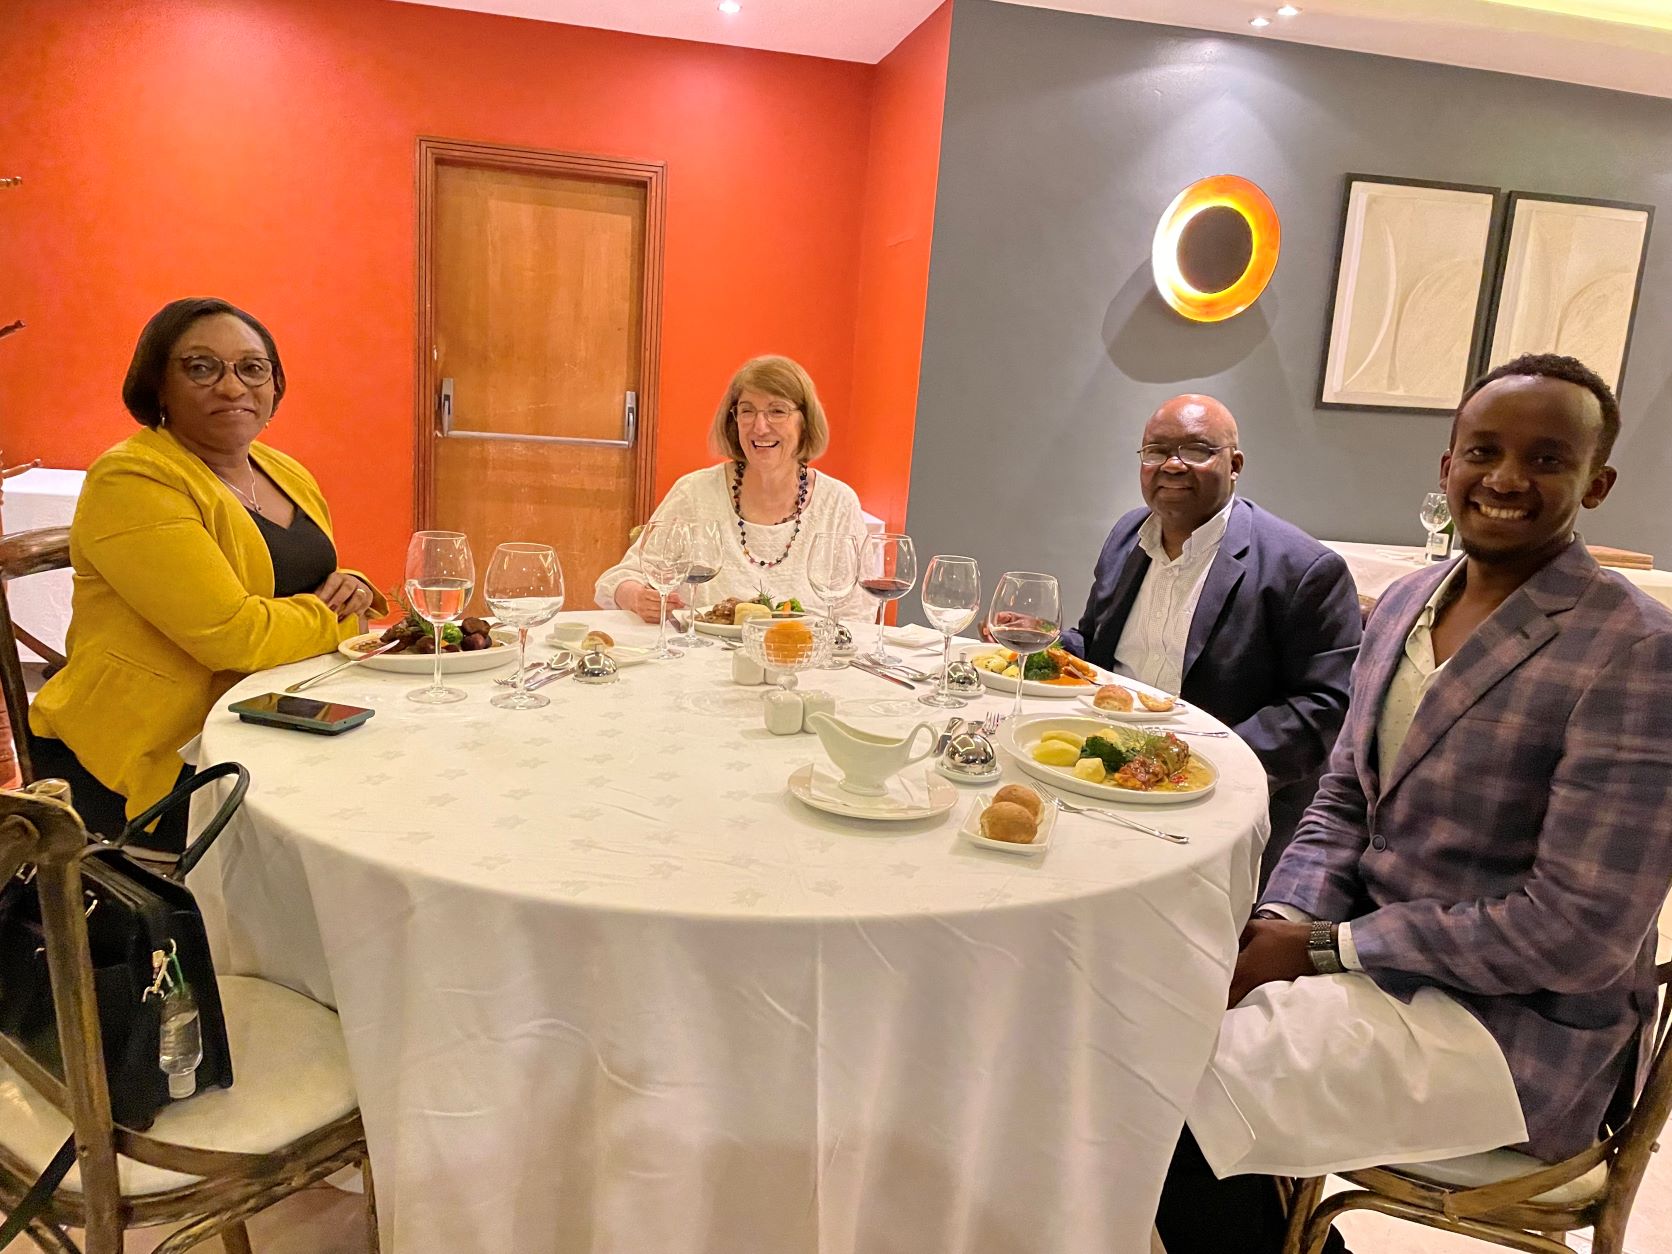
1091, 770
1010, 672
1067, 738
1055, 753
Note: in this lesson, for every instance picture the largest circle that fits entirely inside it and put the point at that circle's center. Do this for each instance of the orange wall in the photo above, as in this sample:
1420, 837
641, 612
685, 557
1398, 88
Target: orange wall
263, 150
910, 95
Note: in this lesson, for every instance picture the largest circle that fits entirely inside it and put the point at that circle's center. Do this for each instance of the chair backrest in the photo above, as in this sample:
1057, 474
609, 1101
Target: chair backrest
1638, 1134
25, 553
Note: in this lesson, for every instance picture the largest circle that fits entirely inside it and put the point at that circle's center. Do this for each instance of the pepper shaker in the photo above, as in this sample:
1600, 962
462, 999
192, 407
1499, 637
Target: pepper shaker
745, 670
783, 712
816, 703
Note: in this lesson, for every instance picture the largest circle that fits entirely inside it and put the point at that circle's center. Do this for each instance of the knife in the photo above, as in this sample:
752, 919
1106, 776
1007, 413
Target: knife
893, 679
946, 736
353, 661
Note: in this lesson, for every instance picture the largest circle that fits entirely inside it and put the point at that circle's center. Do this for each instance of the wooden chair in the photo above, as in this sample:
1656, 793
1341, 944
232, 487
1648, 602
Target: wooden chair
209, 1162
25, 553
1507, 1198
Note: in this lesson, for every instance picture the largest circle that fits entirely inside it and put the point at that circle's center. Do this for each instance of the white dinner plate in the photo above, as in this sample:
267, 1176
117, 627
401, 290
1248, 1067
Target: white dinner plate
404, 663
1018, 736
942, 797
1137, 714
731, 631
628, 654
971, 830
1030, 687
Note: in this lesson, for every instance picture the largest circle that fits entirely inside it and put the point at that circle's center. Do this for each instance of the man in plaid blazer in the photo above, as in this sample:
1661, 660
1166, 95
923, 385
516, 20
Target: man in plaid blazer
1494, 833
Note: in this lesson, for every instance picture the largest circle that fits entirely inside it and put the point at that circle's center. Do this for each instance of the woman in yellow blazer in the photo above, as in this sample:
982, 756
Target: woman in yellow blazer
199, 557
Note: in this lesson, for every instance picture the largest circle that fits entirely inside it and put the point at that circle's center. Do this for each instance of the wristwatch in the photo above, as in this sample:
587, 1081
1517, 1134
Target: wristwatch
1322, 949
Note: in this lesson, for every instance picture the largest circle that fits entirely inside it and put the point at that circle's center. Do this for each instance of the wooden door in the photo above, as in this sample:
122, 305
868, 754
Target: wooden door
536, 352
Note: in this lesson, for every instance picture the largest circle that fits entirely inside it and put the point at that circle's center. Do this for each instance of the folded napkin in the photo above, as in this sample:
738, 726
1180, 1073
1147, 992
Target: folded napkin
907, 791
1623, 558
913, 636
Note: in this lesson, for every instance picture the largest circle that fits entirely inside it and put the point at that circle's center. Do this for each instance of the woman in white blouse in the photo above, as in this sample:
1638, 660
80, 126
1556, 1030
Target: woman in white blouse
769, 501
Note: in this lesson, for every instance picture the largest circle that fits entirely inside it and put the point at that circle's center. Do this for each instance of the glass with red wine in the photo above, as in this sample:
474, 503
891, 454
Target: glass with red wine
887, 571
707, 552
1025, 618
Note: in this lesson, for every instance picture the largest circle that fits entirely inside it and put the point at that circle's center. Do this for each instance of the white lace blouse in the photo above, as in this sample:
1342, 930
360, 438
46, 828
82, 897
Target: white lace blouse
705, 495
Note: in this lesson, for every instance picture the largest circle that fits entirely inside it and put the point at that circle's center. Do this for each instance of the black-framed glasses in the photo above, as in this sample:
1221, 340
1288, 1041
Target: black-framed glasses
205, 371
1193, 454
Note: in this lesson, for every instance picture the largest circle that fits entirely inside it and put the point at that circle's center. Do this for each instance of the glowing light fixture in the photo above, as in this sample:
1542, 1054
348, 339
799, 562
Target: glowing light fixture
1216, 248
1259, 23
729, 7
1287, 10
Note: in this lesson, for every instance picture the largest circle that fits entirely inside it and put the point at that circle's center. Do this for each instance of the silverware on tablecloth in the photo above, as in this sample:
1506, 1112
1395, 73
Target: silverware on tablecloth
990, 724
1120, 820
864, 664
1177, 731
550, 675
559, 658
904, 671
311, 680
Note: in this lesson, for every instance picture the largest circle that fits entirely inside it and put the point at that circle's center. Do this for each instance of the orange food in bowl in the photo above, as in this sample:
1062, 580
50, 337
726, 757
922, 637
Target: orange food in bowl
789, 643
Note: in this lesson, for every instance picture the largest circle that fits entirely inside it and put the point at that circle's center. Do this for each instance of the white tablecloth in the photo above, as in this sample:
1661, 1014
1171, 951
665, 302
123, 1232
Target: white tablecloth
607, 986
40, 604
1375, 566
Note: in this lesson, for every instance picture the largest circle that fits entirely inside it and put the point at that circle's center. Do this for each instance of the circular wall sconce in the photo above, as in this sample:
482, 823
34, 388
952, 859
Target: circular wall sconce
1216, 248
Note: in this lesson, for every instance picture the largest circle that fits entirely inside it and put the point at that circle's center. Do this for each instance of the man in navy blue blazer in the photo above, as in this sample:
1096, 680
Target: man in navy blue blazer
1209, 596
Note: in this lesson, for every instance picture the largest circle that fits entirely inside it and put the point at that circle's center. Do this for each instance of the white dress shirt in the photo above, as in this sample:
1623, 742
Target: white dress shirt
1151, 646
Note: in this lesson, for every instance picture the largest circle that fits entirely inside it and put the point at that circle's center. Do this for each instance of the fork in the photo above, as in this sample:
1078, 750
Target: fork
1118, 819
990, 724
1178, 731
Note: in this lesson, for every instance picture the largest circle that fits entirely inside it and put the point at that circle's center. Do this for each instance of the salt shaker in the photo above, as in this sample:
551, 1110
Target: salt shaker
816, 703
783, 712
745, 670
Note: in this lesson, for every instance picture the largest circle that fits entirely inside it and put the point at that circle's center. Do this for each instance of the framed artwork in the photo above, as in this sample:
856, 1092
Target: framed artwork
1568, 282
1408, 310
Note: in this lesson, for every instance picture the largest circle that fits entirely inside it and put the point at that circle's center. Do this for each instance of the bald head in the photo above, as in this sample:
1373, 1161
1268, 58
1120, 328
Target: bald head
1197, 439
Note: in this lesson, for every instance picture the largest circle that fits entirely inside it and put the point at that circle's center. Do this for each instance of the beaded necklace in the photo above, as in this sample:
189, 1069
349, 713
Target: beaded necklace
742, 533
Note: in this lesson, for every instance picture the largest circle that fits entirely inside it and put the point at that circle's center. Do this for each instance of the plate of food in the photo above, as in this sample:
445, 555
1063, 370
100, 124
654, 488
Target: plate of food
1127, 701
1110, 763
472, 644
1053, 673
1015, 819
726, 618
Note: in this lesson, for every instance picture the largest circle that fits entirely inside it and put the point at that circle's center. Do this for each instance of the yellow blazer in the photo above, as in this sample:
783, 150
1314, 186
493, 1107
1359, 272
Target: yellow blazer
172, 605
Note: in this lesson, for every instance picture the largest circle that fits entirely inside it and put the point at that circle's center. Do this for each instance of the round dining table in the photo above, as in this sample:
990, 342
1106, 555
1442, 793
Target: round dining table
607, 986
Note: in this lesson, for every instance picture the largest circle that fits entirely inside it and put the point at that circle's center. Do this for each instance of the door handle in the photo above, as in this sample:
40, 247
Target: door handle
629, 426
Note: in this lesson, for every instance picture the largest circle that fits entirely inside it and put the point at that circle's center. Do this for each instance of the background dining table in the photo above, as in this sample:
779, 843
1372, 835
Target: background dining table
607, 986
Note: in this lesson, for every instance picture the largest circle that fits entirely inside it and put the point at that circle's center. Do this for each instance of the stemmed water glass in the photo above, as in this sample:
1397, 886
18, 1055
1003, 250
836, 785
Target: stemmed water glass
951, 598
665, 559
439, 577
887, 570
833, 572
707, 552
1025, 618
1436, 513
524, 587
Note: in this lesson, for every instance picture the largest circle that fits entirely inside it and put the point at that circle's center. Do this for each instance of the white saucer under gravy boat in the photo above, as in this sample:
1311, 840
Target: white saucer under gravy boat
868, 760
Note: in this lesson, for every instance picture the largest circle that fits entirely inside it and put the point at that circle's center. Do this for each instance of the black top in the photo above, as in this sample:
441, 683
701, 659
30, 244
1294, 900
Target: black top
303, 555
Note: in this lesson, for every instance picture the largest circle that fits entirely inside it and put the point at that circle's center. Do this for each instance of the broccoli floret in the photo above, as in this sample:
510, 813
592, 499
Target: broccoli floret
1113, 756
1040, 666
792, 605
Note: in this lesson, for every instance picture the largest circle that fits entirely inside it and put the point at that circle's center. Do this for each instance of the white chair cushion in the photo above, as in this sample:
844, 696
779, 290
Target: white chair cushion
1473, 1170
289, 1077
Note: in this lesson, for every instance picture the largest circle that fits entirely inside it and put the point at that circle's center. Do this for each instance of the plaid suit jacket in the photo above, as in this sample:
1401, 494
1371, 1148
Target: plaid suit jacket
1521, 848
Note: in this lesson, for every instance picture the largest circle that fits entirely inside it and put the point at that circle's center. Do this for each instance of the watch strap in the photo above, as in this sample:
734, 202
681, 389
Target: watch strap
1322, 948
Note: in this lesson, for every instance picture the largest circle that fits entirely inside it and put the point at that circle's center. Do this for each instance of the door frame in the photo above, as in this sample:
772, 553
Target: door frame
434, 152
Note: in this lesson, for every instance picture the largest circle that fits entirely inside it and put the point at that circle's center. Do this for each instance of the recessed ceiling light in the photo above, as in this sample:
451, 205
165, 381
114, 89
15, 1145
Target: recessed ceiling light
1259, 23
730, 6
1287, 10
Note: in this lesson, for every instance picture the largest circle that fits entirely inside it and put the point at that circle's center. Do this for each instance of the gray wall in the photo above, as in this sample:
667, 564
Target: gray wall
1046, 345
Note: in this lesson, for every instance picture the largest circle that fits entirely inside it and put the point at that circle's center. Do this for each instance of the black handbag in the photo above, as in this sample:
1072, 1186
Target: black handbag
133, 914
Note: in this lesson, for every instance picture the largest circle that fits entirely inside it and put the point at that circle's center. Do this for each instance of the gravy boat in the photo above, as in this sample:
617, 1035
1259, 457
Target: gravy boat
868, 760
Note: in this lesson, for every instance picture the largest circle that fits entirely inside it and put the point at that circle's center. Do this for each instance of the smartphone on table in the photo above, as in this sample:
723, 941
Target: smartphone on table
322, 718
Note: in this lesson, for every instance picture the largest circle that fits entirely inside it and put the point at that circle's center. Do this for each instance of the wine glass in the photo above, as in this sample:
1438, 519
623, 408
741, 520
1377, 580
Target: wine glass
439, 577
951, 598
1025, 618
1436, 513
665, 559
523, 587
708, 540
833, 572
887, 570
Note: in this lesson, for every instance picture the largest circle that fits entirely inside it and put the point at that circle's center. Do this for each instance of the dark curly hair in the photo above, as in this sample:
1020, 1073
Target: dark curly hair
142, 389
1567, 369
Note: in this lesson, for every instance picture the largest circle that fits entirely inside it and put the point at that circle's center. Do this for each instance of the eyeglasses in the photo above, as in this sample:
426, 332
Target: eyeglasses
777, 415
206, 371
1190, 454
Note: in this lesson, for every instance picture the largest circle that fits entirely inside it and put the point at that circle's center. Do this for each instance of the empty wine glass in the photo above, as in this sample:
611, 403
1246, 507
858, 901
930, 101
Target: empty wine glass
1436, 514
951, 598
887, 570
833, 572
665, 559
708, 541
523, 587
439, 577
1025, 618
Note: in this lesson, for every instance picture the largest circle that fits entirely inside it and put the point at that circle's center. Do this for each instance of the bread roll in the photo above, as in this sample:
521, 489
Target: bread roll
1113, 697
1020, 795
598, 640
1006, 821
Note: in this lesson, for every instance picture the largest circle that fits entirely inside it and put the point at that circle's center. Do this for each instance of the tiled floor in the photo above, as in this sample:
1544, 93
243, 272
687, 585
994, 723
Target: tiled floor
324, 1221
